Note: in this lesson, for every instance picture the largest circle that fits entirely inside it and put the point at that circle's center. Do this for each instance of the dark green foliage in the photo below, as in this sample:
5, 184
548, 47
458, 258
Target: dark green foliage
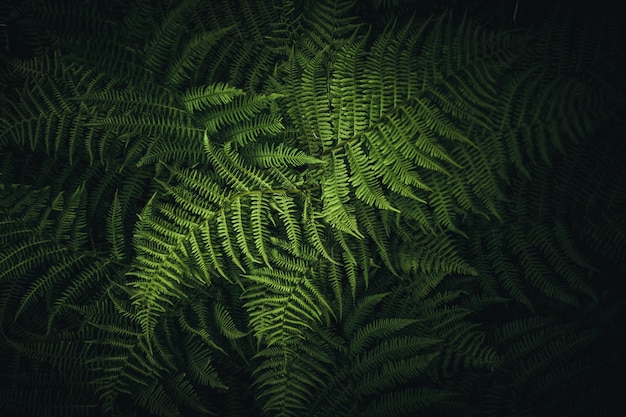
294, 208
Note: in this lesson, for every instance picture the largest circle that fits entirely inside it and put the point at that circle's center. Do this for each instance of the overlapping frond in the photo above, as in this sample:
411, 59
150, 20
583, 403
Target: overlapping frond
273, 208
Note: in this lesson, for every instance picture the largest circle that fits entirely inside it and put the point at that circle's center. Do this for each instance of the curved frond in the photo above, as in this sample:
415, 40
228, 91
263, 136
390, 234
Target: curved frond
310, 208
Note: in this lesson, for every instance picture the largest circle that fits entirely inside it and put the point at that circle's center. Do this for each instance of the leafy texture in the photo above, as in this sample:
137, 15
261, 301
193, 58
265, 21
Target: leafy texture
294, 208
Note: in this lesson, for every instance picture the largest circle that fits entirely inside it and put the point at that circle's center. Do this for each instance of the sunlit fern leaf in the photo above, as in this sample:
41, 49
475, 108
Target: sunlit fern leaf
246, 132
259, 207
399, 178
165, 252
223, 231
287, 209
201, 98
227, 165
161, 268
315, 230
238, 221
335, 192
343, 88
201, 243
266, 155
239, 109
282, 304
363, 179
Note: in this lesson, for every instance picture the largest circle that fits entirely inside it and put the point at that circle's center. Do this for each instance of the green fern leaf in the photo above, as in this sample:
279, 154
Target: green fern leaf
201, 98
268, 155
375, 330
115, 231
226, 324
335, 193
282, 304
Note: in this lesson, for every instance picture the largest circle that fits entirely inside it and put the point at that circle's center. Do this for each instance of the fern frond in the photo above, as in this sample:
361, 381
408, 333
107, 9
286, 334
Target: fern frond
168, 35
226, 324
336, 195
161, 267
275, 208
71, 297
287, 376
363, 179
45, 284
394, 373
184, 68
115, 231
201, 364
329, 22
43, 117
414, 252
407, 401
239, 109
246, 132
266, 155
377, 329
156, 400
359, 313
199, 98
282, 303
